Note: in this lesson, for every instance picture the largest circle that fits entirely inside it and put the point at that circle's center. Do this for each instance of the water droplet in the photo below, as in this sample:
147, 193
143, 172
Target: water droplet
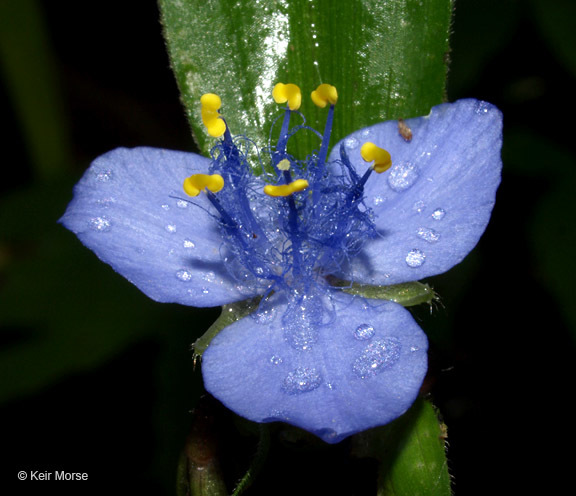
209, 277
189, 244
351, 143
482, 108
182, 204
103, 176
100, 224
300, 335
302, 380
429, 235
414, 348
165, 207
205, 291
438, 214
378, 200
184, 275
376, 358
402, 176
105, 202
264, 315
364, 332
171, 228
419, 206
301, 329
415, 258
276, 360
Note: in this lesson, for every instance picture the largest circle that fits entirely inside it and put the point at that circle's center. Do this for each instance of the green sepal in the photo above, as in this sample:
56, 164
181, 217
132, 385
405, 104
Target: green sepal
406, 294
410, 453
230, 314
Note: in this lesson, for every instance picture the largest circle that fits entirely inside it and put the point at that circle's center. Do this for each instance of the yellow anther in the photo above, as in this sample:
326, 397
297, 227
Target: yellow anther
325, 94
382, 160
286, 189
290, 93
211, 103
196, 183
284, 164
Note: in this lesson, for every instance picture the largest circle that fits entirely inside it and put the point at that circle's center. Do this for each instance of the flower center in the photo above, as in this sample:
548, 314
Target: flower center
291, 228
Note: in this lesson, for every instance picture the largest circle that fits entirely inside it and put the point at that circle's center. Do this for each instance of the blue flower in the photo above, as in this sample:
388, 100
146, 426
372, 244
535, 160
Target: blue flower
262, 223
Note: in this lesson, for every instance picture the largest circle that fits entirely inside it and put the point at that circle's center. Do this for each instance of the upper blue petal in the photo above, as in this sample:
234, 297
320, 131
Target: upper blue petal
434, 203
130, 209
361, 368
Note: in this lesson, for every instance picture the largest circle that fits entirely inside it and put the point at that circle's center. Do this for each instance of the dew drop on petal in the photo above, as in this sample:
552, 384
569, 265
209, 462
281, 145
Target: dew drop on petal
301, 325
209, 276
184, 275
182, 204
189, 244
100, 224
264, 315
482, 108
402, 176
427, 234
376, 358
276, 360
171, 228
415, 258
351, 143
378, 200
364, 332
165, 207
302, 380
438, 214
419, 206
300, 335
103, 176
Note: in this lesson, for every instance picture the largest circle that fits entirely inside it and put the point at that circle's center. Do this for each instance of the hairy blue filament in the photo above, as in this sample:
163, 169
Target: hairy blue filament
292, 242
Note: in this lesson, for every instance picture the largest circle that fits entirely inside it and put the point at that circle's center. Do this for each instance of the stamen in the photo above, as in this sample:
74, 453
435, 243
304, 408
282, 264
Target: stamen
196, 183
324, 94
382, 160
283, 165
283, 93
286, 189
211, 103
290, 93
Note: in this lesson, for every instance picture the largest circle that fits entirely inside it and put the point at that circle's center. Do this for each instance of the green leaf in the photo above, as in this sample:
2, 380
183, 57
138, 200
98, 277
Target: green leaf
556, 21
387, 59
553, 240
28, 68
411, 453
56, 313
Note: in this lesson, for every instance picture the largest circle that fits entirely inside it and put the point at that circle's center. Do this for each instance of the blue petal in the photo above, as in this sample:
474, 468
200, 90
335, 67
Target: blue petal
130, 209
362, 369
433, 205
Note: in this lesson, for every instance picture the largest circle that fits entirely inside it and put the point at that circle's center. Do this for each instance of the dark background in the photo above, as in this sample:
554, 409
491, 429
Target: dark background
97, 378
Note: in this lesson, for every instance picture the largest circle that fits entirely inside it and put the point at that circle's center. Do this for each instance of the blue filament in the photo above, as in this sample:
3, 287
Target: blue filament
291, 242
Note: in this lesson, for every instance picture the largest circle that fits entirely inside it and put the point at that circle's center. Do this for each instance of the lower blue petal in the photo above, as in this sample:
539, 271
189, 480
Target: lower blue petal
361, 367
